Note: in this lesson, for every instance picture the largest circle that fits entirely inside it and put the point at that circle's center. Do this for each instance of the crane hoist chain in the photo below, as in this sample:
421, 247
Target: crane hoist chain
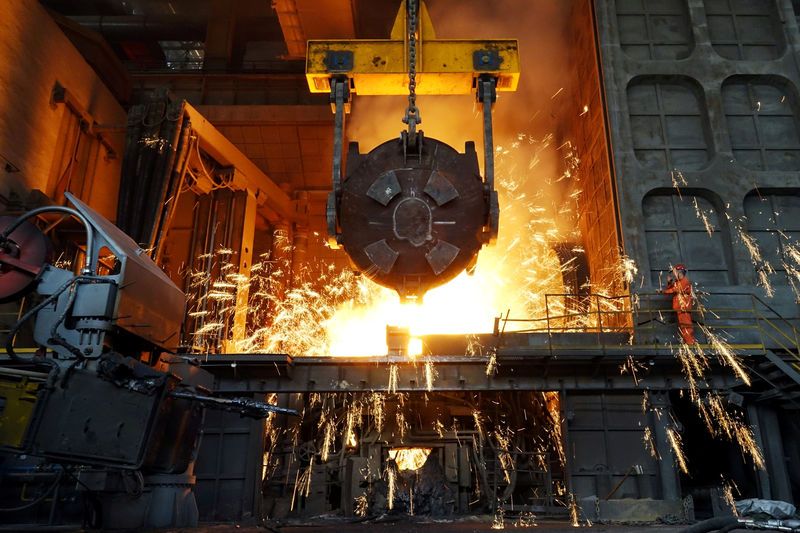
412, 117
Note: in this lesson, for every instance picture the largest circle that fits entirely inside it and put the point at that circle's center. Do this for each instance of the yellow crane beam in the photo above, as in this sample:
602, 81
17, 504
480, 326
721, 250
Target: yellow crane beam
380, 66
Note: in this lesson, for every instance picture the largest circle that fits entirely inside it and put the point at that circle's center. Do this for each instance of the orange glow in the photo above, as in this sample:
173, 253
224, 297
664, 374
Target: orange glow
409, 458
514, 275
339, 314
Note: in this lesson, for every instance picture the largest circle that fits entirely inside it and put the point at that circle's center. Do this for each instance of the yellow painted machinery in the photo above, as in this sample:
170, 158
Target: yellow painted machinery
414, 212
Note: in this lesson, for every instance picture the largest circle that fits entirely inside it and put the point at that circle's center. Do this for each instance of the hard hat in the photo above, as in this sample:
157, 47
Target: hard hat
680, 266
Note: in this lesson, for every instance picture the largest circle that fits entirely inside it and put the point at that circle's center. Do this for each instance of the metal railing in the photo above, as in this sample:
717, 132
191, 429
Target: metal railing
640, 320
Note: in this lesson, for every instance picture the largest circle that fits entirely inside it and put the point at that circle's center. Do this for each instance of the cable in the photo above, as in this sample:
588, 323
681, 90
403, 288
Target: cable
89, 267
36, 500
27, 316
91, 497
55, 338
158, 120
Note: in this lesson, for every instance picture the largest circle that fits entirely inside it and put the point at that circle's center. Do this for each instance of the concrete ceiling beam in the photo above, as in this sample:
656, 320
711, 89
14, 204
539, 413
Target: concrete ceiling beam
302, 20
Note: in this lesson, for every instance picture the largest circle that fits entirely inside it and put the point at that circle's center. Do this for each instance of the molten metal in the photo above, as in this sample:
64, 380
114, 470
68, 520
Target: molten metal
409, 458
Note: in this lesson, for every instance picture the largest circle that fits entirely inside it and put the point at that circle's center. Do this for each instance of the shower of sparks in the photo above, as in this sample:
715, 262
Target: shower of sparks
791, 263
727, 490
503, 440
694, 363
361, 506
498, 521
650, 444
353, 420
337, 416
677, 448
628, 269
723, 351
678, 180
720, 422
476, 416
525, 519
392, 482
553, 405
703, 217
322, 310
763, 267
305, 479
378, 411
573, 511
632, 366
491, 364
328, 439
394, 376
474, 346
402, 424
430, 375
339, 313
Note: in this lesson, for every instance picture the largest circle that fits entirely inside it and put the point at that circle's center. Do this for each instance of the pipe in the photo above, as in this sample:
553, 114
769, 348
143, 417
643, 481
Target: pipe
174, 191
89, 266
185, 27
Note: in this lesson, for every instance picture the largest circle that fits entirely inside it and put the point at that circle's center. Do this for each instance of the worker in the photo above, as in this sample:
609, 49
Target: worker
681, 287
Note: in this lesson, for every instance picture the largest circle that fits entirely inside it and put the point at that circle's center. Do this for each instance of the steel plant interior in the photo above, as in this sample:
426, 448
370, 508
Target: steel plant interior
213, 134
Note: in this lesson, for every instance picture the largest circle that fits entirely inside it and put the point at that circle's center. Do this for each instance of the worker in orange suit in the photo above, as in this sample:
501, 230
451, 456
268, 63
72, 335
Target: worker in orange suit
681, 288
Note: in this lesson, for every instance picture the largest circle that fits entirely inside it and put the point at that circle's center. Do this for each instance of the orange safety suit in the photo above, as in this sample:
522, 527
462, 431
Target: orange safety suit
682, 304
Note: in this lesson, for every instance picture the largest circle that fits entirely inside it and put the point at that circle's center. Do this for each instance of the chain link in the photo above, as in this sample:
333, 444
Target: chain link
412, 117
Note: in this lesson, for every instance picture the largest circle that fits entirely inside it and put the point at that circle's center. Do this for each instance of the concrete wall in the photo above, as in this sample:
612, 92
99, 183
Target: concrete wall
703, 111
37, 137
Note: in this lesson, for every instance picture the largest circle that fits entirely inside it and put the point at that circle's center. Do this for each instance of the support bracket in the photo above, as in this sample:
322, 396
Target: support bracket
340, 98
487, 95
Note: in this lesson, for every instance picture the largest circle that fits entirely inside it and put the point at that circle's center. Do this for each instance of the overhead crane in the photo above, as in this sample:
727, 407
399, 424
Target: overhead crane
413, 213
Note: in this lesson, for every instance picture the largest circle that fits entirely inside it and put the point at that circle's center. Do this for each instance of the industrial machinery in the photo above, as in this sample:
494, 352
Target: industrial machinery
412, 213
102, 398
